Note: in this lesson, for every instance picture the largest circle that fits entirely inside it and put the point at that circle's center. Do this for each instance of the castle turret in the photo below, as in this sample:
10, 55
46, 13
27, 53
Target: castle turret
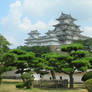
66, 30
34, 34
33, 37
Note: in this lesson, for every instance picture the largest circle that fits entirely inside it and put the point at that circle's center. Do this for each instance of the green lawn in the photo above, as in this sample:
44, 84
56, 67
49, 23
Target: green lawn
12, 88
9, 86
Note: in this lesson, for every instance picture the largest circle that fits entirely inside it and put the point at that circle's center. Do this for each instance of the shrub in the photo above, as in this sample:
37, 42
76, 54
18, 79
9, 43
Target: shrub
20, 85
28, 79
87, 76
88, 85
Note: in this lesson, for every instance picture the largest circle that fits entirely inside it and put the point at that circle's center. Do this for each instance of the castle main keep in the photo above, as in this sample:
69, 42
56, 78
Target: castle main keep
64, 33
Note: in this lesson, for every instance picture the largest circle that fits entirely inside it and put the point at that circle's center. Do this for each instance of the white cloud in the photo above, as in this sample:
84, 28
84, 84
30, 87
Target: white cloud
36, 7
40, 25
87, 31
16, 9
15, 21
26, 15
27, 25
11, 39
51, 23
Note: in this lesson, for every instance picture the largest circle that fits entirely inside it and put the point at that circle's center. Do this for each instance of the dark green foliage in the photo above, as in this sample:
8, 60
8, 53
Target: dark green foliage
87, 75
90, 60
38, 65
75, 58
71, 47
2, 70
79, 53
17, 51
87, 43
88, 85
50, 63
38, 50
51, 58
4, 44
81, 64
20, 85
27, 56
28, 79
4, 47
9, 59
20, 60
23, 62
1, 52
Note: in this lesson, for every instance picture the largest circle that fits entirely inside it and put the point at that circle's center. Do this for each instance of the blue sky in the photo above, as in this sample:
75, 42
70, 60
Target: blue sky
19, 17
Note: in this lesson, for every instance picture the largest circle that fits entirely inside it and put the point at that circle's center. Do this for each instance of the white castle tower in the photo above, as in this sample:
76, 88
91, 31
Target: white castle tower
66, 30
64, 33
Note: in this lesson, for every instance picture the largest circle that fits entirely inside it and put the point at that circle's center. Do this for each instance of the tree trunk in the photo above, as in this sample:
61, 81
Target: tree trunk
22, 78
53, 75
71, 80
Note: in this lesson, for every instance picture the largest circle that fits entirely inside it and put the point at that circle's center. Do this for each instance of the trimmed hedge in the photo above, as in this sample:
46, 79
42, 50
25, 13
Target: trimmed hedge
88, 85
20, 85
87, 76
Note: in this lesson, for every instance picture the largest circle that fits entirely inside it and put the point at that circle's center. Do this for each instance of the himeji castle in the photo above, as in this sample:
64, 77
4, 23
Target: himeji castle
64, 33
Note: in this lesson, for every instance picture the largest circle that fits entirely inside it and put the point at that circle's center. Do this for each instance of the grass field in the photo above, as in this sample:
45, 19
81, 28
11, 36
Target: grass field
10, 87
